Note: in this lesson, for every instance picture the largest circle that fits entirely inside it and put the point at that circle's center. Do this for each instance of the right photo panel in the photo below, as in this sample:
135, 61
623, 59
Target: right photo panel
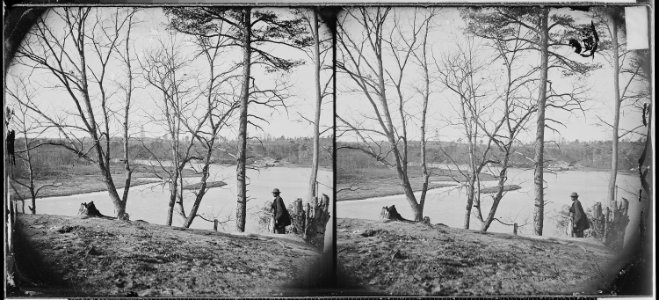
494, 150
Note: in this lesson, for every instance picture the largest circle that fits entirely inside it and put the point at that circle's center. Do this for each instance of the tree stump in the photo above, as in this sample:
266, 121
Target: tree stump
89, 210
616, 225
309, 214
391, 214
598, 222
316, 221
310, 220
297, 217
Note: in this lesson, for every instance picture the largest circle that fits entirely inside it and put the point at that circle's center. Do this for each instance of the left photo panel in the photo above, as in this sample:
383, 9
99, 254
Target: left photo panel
167, 151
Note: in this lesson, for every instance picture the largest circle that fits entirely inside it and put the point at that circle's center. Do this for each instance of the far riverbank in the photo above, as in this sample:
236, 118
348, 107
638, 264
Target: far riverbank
361, 184
83, 179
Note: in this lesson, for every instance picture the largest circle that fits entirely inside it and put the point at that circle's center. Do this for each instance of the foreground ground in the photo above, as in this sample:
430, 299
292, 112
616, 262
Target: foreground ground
416, 259
69, 256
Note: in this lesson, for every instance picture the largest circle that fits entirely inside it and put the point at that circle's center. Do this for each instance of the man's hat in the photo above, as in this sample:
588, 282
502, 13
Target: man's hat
276, 190
574, 195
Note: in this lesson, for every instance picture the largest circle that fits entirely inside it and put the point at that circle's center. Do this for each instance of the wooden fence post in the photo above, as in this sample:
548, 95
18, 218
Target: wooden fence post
306, 220
297, 216
598, 222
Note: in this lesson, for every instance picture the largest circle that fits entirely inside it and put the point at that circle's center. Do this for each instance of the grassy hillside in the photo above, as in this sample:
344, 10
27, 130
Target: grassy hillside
69, 256
397, 258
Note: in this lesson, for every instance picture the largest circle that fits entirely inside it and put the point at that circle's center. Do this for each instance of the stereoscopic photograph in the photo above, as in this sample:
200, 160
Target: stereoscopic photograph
493, 150
342, 150
168, 151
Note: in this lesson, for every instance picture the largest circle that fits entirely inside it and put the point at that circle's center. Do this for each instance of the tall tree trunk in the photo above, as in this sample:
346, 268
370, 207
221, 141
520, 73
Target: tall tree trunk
205, 173
129, 94
241, 210
316, 126
467, 122
174, 185
503, 176
91, 124
119, 206
538, 179
401, 162
616, 116
470, 201
33, 194
172, 199
200, 195
417, 208
424, 113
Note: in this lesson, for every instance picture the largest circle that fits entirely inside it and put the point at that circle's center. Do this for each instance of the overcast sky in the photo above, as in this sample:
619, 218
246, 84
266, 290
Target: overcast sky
447, 33
152, 28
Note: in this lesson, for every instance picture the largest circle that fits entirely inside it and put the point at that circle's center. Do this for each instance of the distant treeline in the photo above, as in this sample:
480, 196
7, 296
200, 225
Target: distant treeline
48, 157
594, 154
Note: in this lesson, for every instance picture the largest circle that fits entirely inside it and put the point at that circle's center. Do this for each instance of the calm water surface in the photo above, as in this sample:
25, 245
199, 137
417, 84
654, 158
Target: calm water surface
150, 202
447, 205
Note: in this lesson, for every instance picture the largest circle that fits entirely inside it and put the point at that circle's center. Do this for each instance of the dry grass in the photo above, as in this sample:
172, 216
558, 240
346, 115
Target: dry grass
415, 259
98, 257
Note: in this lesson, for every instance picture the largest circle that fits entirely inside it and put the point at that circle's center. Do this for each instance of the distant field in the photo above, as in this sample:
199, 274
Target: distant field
78, 179
377, 182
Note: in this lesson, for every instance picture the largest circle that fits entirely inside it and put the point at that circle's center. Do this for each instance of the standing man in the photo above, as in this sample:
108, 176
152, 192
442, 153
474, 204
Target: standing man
578, 216
280, 213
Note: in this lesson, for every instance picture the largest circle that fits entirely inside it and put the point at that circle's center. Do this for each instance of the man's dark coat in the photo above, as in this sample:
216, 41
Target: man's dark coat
579, 218
282, 217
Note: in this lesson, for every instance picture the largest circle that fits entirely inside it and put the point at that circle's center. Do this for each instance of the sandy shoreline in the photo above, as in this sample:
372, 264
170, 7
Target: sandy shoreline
439, 186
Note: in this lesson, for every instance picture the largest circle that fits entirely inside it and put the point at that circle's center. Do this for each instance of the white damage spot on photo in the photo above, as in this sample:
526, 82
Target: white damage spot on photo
636, 21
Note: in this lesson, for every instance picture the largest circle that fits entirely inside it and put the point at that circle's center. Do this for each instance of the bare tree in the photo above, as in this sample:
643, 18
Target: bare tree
516, 111
459, 74
382, 35
546, 33
162, 69
422, 60
318, 56
29, 128
248, 29
187, 113
80, 57
611, 22
220, 103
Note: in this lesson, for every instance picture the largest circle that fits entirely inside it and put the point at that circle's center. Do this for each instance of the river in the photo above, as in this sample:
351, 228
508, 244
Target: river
447, 205
149, 202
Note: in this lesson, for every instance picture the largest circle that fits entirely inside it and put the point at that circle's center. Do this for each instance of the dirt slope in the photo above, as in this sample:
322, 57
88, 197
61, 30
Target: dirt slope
415, 259
68, 256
